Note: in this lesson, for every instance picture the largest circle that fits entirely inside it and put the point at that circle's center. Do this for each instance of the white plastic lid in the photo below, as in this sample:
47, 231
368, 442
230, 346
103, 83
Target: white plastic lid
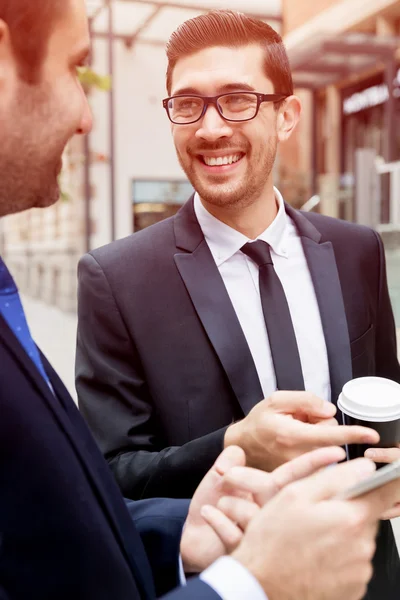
371, 399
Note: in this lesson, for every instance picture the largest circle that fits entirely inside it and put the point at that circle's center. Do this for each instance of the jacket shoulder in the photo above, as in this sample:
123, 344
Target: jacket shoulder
337, 230
145, 243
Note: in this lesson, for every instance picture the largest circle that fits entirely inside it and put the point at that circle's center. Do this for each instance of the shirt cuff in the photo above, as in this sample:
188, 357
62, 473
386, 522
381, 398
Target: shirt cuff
232, 581
182, 576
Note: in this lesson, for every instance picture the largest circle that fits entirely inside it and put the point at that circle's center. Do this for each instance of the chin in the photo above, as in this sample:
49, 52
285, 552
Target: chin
222, 198
46, 200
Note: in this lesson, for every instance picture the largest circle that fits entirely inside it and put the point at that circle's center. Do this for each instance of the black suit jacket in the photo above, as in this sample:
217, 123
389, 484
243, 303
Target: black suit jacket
65, 532
163, 366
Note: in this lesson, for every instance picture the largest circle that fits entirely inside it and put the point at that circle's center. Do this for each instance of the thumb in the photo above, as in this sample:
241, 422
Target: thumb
232, 456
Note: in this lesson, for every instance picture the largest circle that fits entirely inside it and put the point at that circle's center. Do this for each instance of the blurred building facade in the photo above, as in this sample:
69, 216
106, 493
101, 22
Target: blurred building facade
346, 64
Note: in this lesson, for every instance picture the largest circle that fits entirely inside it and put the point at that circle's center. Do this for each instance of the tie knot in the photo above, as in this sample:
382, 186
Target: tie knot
259, 252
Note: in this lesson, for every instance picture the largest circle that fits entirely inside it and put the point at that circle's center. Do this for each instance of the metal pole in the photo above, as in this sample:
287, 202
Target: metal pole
389, 141
314, 143
86, 152
390, 113
86, 174
111, 115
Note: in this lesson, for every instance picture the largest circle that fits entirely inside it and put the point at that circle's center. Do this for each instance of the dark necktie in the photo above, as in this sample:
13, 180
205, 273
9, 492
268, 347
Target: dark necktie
12, 311
282, 339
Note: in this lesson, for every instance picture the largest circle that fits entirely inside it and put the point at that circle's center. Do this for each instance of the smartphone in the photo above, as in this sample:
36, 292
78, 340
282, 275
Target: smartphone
381, 477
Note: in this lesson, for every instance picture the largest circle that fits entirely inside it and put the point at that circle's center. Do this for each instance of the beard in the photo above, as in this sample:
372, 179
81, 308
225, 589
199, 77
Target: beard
30, 152
231, 194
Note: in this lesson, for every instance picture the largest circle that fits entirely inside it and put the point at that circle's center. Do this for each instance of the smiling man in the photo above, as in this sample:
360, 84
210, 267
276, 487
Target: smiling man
188, 328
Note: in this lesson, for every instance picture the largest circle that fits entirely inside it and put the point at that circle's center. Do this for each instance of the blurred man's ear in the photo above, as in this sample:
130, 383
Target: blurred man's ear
288, 117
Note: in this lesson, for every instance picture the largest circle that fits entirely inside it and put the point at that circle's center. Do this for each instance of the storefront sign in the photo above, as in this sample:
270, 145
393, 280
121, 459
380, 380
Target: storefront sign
370, 97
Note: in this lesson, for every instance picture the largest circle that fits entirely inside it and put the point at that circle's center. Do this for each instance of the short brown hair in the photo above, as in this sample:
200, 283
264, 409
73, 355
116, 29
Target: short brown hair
30, 23
231, 29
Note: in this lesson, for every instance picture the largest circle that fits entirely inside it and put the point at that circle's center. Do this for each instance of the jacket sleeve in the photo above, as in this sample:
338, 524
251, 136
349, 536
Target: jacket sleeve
114, 399
194, 590
387, 364
159, 523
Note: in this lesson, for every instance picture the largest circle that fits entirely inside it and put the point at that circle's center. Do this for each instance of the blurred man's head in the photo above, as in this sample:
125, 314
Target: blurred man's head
216, 53
42, 104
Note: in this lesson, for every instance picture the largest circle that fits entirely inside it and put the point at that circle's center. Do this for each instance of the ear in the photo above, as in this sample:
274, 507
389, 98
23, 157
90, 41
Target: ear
288, 117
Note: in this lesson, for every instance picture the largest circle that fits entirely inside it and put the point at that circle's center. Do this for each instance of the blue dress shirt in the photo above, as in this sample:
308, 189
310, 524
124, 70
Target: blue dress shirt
13, 313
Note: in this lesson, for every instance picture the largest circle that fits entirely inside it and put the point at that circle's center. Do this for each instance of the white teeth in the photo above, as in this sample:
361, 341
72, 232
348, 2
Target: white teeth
221, 160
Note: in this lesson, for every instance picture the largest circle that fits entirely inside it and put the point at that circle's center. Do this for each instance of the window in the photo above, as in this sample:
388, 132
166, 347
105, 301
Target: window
154, 201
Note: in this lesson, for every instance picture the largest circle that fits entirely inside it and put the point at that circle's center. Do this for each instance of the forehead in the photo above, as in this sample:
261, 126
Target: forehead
71, 32
212, 68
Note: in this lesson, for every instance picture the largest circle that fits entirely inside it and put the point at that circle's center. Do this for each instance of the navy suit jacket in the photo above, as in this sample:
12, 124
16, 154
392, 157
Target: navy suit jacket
65, 531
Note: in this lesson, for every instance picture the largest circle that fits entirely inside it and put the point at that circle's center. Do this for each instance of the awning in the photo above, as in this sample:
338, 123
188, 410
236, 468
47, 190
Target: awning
153, 21
326, 61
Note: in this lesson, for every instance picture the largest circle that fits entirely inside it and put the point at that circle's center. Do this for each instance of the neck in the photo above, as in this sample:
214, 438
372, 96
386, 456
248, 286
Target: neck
250, 220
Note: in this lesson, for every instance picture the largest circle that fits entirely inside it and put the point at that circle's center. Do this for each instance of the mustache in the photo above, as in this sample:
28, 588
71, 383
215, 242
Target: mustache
220, 145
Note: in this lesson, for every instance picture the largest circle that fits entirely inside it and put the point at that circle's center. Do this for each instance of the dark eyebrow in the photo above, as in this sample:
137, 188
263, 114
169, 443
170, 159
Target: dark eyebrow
228, 87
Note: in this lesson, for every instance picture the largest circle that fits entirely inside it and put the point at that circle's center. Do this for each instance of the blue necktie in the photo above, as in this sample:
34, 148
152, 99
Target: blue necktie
12, 311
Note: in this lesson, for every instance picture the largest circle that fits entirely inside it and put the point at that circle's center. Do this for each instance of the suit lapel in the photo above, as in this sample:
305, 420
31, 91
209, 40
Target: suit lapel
100, 475
323, 269
214, 308
70, 421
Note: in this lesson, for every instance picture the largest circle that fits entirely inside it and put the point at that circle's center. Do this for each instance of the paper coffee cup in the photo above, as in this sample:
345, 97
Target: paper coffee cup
372, 402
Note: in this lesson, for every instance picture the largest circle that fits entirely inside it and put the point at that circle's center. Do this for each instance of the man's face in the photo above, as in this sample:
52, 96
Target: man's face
37, 121
254, 143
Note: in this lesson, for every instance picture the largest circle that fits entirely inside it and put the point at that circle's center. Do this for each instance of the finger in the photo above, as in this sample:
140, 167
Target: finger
229, 533
383, 455
307, 465
329, 483
327, 423
392, 513
382, 499
317, 436
232, 456
264, 486
301, 402
238, 510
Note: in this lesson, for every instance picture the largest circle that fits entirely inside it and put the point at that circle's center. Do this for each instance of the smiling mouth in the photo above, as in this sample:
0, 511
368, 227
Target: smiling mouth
221, 161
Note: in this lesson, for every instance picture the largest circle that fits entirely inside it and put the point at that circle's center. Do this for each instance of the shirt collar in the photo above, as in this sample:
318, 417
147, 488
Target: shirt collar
224, 241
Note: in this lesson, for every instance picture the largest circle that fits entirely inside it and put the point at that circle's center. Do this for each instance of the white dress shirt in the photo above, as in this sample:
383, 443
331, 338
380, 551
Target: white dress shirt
240, 276
230, 579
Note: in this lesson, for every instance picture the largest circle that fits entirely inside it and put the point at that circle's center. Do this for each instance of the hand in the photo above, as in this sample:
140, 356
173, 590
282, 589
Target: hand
246, 490
202, 543
289, 424
386, 455
305, 543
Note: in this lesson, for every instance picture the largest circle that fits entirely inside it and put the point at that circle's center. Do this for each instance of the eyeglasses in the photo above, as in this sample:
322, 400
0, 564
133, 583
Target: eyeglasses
234, 106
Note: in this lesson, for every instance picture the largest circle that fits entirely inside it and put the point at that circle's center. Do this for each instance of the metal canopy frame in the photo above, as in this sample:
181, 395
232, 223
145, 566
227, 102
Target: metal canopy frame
158, 7
332, 59
96, 9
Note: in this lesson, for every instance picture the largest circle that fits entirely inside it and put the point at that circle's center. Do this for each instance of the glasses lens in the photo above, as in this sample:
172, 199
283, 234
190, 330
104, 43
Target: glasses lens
238, 107
185, 109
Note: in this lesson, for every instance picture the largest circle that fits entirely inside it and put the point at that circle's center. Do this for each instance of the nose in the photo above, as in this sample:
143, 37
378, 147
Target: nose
86, 122
213, 126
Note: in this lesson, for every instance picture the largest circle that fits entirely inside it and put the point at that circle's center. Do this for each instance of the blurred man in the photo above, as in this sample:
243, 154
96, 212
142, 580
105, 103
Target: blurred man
65, 530
186, 326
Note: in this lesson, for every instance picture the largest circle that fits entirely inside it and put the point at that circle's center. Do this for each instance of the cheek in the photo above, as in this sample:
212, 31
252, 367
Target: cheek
181, 140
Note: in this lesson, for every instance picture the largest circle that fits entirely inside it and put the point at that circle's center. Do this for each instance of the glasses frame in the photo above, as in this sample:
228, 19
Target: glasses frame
214, 101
